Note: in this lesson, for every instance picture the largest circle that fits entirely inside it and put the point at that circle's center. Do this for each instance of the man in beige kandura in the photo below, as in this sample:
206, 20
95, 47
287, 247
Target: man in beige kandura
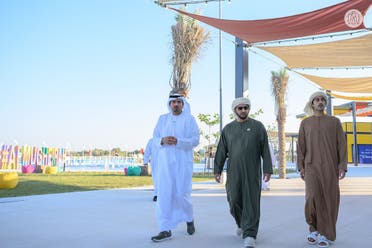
322, 162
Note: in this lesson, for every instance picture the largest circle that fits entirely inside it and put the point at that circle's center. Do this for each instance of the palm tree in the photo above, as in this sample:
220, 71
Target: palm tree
279, 81
188, 38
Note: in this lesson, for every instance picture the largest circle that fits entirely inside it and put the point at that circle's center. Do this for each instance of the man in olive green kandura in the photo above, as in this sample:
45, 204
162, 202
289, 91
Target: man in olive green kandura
244, 142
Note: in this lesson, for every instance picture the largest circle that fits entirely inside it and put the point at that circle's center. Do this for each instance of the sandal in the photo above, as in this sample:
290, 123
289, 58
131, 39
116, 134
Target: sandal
312, 238
323, 242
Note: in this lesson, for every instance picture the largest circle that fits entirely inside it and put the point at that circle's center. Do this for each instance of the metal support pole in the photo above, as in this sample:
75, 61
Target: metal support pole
329, 103
355, 147
241, 68
220, 62
292, 150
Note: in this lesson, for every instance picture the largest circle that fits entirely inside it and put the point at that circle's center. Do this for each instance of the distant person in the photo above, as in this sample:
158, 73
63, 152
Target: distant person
322, 161
176, 134
244, 142
150, 156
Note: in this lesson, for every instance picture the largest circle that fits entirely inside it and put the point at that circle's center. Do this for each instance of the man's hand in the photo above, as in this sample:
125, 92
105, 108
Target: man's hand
341, 173
217, 177
267, 177
302, 174
169, 140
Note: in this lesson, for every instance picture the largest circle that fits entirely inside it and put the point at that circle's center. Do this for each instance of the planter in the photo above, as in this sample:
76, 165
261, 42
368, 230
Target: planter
51, 170
38, 169
8, 180
28, 169
134, 171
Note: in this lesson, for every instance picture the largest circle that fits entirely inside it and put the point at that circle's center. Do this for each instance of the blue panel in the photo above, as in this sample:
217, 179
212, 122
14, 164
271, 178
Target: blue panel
365, 154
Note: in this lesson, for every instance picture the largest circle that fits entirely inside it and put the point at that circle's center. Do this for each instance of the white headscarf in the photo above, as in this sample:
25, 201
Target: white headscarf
186, 106
308, 107
238, 101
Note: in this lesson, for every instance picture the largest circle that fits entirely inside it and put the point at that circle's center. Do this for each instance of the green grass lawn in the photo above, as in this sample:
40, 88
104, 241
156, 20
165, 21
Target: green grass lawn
37, 184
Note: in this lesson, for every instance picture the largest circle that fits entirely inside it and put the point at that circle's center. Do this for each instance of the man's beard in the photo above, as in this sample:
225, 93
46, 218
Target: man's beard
242, 117
176, 110
320, 107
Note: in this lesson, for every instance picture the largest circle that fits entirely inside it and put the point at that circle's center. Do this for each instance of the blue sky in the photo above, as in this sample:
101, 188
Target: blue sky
94, 73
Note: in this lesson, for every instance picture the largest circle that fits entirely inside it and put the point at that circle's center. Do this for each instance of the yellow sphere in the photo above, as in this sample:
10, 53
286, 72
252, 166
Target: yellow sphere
8, 180
51, 170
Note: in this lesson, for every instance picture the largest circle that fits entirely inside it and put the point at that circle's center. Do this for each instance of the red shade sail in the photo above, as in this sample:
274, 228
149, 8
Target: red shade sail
326, 20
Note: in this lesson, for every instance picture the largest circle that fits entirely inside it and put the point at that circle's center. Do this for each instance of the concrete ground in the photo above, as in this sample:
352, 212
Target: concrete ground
126, 218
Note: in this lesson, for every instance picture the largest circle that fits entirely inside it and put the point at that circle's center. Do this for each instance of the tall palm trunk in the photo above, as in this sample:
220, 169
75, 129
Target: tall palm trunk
279, 82
281, 138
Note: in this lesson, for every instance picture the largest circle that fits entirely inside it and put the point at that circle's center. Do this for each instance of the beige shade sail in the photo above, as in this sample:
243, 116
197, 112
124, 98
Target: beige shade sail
349, 85
342, 53
353, 97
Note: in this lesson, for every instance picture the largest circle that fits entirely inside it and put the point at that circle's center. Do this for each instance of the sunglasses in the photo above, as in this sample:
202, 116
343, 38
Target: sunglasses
241, 108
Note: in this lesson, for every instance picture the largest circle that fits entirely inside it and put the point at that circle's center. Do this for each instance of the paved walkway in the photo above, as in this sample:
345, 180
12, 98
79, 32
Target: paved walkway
126, 218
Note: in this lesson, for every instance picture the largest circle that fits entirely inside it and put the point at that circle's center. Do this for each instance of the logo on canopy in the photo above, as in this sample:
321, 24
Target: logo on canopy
353, 18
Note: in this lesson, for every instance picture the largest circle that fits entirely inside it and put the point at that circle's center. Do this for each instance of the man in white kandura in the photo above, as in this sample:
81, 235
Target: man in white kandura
176, 134
150, 156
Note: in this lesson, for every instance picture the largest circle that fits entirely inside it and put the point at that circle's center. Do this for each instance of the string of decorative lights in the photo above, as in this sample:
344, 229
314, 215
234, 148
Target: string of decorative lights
333, 68
165, 3
265, 43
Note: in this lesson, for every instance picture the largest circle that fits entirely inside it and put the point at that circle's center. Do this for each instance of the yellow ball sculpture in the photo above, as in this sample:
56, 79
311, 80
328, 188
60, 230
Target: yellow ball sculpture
8, 180
51, 170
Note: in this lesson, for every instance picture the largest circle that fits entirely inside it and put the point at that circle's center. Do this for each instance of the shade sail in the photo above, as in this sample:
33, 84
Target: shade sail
322, 21
342, 53
349, 85
351, 97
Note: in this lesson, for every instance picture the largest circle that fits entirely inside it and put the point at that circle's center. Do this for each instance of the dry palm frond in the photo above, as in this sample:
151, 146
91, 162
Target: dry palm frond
188, 38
